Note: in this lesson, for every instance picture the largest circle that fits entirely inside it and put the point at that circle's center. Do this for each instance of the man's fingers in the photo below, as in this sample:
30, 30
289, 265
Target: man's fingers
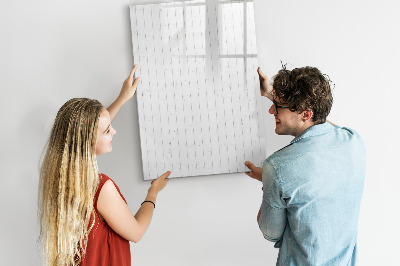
250, 165
260, 72
251, 174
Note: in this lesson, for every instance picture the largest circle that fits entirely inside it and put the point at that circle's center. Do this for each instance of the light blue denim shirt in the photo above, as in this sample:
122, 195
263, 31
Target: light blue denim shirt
311, 197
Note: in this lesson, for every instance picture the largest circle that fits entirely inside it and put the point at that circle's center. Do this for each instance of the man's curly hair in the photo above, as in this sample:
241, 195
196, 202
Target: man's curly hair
304, 88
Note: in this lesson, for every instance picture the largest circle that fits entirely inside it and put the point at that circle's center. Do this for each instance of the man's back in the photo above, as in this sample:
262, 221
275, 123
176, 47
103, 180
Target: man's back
313, 188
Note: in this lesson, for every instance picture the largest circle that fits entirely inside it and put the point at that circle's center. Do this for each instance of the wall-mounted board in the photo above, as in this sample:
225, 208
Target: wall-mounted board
198, 101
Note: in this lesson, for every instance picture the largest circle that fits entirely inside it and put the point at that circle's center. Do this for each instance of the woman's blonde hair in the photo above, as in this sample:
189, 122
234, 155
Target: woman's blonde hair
68, 182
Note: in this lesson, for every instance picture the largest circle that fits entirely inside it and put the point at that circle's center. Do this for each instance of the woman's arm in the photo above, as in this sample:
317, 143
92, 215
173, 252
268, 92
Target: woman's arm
127, 92
119, 217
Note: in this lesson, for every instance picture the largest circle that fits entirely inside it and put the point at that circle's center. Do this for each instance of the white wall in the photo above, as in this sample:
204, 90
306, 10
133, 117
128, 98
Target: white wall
51, 51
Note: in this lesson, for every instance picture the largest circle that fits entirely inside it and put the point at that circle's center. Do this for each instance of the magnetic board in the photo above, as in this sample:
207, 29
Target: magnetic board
198, 100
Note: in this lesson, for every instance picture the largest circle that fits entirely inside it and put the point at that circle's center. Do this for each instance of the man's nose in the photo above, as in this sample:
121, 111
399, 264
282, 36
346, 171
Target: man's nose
272, 110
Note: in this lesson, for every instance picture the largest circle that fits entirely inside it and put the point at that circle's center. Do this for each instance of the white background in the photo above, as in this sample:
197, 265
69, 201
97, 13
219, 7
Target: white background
51, 51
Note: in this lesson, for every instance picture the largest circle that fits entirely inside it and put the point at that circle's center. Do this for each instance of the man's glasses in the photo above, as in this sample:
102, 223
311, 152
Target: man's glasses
278, 106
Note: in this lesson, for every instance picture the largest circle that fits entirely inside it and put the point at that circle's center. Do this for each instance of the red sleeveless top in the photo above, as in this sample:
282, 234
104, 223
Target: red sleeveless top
104, 246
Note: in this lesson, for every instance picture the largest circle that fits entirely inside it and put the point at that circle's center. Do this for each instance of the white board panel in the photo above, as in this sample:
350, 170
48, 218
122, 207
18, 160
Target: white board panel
198, 101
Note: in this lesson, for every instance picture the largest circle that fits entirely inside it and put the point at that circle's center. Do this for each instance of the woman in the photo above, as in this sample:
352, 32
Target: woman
84, 219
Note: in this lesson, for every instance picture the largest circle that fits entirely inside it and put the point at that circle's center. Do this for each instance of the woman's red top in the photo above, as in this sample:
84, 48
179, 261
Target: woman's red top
104, 246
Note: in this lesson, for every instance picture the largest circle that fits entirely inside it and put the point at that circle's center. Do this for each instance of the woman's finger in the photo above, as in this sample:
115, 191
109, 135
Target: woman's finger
165, 175
133, 71
135, 83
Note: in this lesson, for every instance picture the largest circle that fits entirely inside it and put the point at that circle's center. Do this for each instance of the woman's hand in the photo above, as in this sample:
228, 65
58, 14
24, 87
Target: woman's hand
158, 184
129, 87
127, 92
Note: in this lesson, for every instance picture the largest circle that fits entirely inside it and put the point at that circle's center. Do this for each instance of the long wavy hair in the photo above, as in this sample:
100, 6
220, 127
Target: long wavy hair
68, 182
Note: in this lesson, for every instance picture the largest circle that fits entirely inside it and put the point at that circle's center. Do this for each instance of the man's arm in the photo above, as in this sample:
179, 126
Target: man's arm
127, 91
272, 217
265, 224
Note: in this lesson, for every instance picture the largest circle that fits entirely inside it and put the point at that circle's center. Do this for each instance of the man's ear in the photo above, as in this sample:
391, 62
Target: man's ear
306, 115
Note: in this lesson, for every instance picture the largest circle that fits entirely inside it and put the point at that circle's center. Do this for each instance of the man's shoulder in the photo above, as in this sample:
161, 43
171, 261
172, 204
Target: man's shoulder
347, 136
283, 156
346, 130
339, 136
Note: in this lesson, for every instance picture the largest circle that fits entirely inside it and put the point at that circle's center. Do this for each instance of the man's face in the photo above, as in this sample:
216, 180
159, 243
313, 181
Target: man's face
286, 121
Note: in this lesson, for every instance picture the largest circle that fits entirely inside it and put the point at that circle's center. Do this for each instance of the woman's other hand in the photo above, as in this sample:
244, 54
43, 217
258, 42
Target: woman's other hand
158, 184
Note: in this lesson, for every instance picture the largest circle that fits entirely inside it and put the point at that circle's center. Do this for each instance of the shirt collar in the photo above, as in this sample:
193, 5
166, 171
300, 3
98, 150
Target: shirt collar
314, 131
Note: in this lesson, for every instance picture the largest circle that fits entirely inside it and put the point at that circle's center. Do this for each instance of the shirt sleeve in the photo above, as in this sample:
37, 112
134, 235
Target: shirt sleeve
273, 219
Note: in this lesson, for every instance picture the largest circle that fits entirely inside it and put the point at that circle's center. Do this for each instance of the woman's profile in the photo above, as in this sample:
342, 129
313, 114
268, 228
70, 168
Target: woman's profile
84, 219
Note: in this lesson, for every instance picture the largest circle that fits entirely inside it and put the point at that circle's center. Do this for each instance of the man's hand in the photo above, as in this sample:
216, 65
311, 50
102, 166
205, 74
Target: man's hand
256, 172
129, 87
265, 87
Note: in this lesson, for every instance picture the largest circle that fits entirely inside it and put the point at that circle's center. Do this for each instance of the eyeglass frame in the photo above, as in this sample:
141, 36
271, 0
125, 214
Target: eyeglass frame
278, 106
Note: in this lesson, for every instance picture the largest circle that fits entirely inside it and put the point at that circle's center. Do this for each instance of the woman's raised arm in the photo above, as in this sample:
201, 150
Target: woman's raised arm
127, 91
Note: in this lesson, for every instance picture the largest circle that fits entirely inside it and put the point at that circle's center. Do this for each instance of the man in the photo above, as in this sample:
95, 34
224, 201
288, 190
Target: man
312, 187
